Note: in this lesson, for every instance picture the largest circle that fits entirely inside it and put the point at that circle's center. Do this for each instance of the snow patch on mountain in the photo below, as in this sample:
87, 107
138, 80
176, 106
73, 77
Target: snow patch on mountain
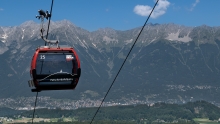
4, 37
23, 34
128, 41
94, 45
176, 37
24, 49
108, 39
3, 49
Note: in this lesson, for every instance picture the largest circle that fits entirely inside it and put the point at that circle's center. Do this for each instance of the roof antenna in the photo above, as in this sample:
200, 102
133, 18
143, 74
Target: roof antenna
42, 15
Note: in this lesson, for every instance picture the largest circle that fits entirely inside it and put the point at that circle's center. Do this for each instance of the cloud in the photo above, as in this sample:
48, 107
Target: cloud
1, 9
194, 5
160, 9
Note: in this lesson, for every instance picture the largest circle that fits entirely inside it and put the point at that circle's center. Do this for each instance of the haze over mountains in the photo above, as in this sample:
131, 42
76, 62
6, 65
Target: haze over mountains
171, 63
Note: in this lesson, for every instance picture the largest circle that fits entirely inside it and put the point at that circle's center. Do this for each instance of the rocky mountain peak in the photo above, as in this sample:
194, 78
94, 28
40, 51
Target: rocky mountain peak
167, 60
28, 24
67, 31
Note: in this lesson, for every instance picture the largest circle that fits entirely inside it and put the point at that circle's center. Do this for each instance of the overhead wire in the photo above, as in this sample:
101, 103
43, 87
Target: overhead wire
51, 8
42, 63
35, 103
124, 62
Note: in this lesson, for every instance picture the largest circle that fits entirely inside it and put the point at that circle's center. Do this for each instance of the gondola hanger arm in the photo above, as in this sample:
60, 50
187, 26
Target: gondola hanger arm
42, 15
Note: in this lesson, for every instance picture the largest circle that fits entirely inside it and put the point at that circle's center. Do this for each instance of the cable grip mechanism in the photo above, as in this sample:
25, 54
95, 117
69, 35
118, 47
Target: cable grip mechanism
41, 16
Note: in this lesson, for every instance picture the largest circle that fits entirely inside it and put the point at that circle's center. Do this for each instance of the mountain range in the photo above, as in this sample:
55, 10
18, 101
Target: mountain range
171, 63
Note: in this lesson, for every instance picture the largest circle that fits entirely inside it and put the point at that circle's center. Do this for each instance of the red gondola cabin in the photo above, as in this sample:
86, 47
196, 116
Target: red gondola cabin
54, 68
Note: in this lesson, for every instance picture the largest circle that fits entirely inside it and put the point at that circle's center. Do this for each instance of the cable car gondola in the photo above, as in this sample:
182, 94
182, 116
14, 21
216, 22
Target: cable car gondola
54, 67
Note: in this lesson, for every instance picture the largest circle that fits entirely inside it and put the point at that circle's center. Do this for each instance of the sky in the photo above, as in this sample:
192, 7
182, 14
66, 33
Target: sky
117, 14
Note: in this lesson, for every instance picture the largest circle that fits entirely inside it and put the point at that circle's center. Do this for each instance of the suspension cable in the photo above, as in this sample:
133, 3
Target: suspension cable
41, 65
34, 107
49, 21
123, 62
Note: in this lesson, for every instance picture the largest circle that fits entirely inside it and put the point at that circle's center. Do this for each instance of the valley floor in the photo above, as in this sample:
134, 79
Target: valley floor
70, 120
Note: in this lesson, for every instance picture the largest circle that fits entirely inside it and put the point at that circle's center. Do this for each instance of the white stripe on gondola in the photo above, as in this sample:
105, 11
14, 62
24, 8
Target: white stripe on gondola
57, 73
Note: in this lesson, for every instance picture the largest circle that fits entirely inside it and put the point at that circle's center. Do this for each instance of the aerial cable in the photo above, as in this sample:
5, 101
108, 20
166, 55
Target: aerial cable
48, 15
123, 62
34, 107
49, 21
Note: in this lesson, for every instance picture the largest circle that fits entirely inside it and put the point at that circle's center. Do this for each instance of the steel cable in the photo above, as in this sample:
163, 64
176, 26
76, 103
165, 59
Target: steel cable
42, 64
124, 62
51, 8
35, 103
